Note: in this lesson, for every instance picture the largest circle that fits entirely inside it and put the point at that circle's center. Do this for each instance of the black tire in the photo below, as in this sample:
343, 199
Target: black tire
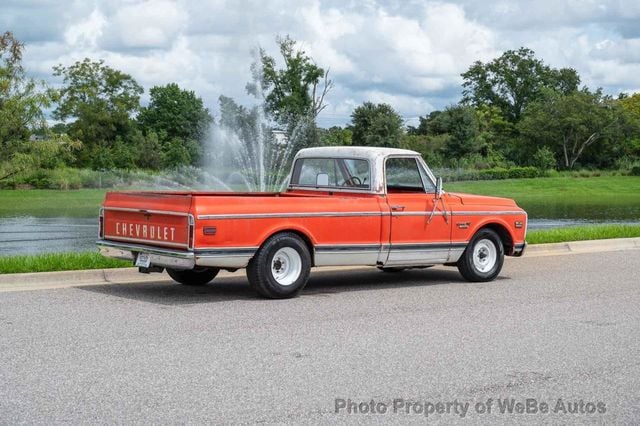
283, 276
480, 247
196, 276
391, 270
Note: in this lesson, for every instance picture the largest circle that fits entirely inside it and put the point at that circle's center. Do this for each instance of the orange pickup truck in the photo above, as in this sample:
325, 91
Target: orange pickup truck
343, 206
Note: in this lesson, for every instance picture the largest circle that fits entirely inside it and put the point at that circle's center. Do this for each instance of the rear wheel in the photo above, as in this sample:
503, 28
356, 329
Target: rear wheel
196, 276
280, 269
391, 270
483, 258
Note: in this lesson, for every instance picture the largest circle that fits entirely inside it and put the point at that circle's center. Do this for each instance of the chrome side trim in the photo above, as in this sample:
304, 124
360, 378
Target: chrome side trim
420, 213
331, 189
408, 254
225, 257
287, 215
290, 215
165, 212
343, 255
486, 213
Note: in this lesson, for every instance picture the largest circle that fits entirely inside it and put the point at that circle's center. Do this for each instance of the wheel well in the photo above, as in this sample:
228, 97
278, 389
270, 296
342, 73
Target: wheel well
504, 235
302, 236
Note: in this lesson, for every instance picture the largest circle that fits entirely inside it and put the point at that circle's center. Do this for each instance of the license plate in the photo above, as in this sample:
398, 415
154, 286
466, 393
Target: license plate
143, 260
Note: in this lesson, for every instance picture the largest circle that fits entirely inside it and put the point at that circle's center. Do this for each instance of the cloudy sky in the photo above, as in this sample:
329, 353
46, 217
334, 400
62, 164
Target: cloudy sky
406, 53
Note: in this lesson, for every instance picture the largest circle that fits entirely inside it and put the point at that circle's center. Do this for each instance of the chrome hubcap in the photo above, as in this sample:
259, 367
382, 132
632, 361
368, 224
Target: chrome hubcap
286, 266
485, 255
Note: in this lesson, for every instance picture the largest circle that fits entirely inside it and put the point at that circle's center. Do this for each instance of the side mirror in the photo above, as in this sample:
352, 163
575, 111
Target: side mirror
322, 179
438, 187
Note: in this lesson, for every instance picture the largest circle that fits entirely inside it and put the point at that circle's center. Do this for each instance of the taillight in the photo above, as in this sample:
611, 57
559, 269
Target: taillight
192, 225
101, 223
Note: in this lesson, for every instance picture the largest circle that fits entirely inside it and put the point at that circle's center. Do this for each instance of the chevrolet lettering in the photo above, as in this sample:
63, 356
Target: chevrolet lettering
381, 207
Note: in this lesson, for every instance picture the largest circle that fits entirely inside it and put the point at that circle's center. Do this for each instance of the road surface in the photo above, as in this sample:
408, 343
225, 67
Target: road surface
562, 331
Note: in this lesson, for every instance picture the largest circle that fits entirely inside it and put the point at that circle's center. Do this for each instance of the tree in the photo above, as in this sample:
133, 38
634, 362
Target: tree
178, 113
294, 92
571, 124
335, 136
459, 122
631, 104
514, 80
376, 125
22, 99
101, 101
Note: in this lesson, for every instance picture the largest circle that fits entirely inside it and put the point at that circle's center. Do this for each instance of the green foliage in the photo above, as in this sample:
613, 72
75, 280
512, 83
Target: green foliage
635, 171
631, 104
544, 159
28, 156
335, 136
376, 125
570, 124
101, 101
513, 80
293, 93
175, 122
22, 99
178, 113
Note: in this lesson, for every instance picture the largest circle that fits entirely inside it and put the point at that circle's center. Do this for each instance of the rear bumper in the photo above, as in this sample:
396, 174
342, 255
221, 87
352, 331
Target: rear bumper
166, 258
518, 249
224, 257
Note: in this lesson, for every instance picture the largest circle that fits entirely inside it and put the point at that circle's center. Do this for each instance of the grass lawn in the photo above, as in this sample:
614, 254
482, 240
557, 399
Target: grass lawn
59, 262
581, 233
51, 202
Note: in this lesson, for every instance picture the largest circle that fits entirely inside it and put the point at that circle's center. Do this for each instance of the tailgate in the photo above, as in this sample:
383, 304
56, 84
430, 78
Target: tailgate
149, 218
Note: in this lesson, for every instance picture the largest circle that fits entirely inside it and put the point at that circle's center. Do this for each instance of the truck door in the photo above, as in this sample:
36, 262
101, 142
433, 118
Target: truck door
420, 228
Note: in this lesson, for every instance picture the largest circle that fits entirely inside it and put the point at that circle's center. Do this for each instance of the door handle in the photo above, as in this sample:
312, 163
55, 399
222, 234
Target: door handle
397, 208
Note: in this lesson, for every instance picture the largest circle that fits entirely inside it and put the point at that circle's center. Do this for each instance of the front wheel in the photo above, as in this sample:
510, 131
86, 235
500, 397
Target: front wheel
196, 276
483, 258
280, 269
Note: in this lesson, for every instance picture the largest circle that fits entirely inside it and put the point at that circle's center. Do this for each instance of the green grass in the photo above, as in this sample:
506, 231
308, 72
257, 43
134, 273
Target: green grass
582, 233
58, 262
50, 202
602, 198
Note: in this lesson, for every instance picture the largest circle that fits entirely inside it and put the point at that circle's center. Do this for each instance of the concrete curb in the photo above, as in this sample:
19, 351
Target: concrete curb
576, 247
64, 279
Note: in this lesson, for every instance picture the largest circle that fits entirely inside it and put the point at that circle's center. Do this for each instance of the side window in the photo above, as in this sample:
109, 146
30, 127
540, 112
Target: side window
344, 173
310, 168
403, 175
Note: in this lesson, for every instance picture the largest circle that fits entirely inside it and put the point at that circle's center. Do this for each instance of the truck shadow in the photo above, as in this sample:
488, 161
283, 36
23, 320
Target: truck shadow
320, 284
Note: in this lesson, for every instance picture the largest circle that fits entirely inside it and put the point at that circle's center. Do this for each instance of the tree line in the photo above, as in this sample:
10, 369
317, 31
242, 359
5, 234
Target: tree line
515, 111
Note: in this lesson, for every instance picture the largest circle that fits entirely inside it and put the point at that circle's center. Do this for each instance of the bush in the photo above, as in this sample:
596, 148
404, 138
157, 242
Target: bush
544, 159
635, 171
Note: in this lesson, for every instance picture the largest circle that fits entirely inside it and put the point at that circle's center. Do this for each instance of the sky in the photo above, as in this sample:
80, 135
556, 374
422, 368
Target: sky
409, 54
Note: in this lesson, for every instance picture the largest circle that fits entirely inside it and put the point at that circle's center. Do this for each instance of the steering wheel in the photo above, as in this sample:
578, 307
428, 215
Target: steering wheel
352, 181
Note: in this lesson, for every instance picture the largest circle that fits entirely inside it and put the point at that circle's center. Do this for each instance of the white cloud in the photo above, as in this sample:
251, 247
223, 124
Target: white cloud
407, 53
152, 24
85, 34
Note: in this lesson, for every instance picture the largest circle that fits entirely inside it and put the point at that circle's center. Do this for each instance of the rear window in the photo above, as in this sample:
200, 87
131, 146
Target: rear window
343, 173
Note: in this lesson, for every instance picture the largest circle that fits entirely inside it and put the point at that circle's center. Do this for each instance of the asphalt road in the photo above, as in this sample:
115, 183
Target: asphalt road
565, 327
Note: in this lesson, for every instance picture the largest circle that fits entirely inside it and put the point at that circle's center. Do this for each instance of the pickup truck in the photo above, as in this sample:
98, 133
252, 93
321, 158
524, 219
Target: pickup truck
381, 207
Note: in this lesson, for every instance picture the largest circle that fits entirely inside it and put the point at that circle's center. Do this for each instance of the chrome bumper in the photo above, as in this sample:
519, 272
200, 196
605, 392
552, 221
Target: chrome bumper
166, 258
519, 249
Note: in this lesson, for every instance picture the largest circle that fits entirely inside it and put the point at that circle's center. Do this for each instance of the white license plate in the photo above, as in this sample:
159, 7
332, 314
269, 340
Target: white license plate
143, 260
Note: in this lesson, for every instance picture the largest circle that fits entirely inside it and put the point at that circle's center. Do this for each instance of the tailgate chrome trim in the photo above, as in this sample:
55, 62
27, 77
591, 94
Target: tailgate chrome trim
165, 212
167, 258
